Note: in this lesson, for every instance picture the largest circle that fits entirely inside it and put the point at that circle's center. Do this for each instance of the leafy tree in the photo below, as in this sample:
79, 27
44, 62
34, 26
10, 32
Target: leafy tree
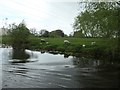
78, 34
57, 33
33, 31
44, 33
19, 35
99, 19
65, 35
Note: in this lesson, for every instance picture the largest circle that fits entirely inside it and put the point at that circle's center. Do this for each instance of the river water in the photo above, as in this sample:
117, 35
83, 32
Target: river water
46, 70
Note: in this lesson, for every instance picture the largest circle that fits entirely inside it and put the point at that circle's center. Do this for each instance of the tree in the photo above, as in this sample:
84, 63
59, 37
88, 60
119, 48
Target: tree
99, 19
44, 33
57, 33
78, 34
19, 35
33, 31
118, 44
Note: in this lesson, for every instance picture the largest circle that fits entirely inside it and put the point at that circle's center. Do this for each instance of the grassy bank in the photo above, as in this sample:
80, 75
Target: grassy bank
103, 47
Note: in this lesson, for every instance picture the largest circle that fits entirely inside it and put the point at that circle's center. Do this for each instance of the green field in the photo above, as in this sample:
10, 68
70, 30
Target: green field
36, 41
77, 41
103, 47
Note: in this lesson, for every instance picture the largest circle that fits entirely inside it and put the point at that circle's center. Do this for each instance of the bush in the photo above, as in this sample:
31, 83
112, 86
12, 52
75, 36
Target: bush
51, 47
61, 48
77, 48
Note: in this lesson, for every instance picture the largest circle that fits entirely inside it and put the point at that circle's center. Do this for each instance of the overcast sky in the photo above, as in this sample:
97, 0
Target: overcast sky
40, 14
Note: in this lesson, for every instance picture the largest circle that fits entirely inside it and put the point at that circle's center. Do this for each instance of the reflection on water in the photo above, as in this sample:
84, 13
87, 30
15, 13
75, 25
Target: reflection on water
97, 73
47, 70
85, 62
19, 54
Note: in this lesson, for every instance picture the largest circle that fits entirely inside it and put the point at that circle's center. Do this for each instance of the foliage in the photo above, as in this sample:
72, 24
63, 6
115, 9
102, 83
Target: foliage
78, 34
19, 35
99, 19
44, 33
33, 31
104, 47
57, 33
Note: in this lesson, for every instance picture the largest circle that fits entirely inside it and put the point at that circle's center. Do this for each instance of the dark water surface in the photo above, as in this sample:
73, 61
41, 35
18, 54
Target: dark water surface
54, 71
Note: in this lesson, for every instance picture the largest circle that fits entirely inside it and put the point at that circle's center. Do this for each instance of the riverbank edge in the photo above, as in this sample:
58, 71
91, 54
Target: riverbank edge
102, 49
95, 53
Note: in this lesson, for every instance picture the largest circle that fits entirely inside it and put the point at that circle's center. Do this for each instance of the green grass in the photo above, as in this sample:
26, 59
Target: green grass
73, 41
77, 41
103, 47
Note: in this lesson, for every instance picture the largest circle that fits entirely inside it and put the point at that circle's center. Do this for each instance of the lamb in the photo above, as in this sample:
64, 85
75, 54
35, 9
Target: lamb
43, 40
66, 42
83, 45
93, 42
47, 42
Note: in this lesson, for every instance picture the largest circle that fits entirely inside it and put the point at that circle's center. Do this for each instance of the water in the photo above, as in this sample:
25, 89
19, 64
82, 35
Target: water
54, 71
0, 68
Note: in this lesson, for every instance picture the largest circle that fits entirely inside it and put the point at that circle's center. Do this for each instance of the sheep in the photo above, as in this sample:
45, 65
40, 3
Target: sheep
93, 42
83, 45
66, 42
43, 40
40, 43
47, 42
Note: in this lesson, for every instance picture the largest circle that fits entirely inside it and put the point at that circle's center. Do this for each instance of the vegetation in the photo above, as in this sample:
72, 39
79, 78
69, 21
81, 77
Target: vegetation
44, 33
19, 35
98, 23
57, 33
102, 49
99, 19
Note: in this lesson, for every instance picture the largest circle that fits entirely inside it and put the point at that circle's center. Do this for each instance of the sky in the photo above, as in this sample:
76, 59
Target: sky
40, 14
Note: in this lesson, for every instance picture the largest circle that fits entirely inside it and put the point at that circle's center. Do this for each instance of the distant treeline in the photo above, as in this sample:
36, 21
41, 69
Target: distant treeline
46, 33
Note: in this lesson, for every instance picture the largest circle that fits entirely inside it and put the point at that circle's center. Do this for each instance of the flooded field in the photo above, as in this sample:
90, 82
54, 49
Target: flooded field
45, 70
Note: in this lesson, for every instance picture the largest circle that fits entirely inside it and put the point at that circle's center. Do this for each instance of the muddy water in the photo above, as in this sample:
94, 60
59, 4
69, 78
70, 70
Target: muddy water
54, 71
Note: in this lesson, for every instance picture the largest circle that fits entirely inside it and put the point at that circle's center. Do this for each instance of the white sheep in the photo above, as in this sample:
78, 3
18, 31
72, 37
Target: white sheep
83, 45
93, 42
47, 42
43, 40
66, 42
40, 43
